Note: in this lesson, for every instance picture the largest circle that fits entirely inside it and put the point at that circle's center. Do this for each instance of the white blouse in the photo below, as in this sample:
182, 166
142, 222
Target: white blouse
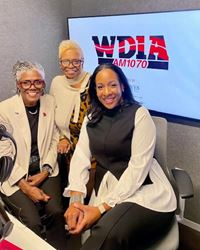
158, 196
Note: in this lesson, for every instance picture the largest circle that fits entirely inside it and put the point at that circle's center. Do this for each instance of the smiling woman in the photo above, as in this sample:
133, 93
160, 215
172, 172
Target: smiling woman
31, 86
71, 94
34, 182
124, 211
109, 89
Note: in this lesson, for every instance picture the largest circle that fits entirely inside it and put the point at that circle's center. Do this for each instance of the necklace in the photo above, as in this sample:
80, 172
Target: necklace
33, 112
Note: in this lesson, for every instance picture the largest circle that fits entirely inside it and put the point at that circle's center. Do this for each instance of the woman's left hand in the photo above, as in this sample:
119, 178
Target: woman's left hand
36, 179
63, 146
90, 216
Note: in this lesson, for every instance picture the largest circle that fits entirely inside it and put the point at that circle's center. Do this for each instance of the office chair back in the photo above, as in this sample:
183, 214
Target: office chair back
160, 152
161, 142
171, 240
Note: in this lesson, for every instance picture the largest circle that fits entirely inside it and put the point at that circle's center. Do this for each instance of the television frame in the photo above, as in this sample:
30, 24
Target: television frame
170, 117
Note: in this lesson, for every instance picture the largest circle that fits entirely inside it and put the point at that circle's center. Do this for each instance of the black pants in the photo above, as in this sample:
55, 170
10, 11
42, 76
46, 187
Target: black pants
28, 212
128, 226
63, 163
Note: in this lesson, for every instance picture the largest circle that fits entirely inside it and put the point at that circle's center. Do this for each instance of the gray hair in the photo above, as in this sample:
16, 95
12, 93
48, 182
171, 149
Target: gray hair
66, 45
23, 66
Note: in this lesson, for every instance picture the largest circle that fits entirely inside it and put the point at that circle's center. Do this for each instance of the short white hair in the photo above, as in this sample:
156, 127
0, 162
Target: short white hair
66, 45
23, 66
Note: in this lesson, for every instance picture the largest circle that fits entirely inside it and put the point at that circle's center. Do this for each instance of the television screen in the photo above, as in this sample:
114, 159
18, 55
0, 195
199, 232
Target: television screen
158, 52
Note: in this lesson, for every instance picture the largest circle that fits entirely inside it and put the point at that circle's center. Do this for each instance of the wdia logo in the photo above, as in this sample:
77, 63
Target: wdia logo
131, 51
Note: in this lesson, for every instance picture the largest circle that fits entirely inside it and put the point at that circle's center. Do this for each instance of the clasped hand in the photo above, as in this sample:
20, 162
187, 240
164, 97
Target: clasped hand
80, 217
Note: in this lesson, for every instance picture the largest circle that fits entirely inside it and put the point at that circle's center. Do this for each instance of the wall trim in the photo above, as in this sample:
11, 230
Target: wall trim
190, 224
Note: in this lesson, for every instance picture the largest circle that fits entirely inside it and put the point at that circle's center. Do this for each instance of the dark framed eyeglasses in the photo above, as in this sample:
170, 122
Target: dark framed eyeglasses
38, 84
67, 62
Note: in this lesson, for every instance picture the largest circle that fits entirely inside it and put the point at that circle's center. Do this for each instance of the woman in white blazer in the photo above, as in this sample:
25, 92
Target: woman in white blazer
34, 183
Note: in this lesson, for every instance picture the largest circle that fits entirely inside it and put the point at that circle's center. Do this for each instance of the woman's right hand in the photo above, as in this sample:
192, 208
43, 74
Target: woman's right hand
73, 217
63, 146
36, 194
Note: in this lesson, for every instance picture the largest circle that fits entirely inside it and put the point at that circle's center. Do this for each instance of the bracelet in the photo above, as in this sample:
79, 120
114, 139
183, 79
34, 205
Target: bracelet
76, 198
62, 137
47, 168
101, 209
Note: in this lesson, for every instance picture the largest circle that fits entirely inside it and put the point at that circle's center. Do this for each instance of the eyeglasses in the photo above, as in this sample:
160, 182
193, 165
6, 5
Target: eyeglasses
75, 63
38, 84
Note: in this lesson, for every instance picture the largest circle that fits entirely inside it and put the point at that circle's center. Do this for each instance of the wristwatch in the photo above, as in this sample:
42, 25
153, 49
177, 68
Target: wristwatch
47, 168
101, 208
76, 198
